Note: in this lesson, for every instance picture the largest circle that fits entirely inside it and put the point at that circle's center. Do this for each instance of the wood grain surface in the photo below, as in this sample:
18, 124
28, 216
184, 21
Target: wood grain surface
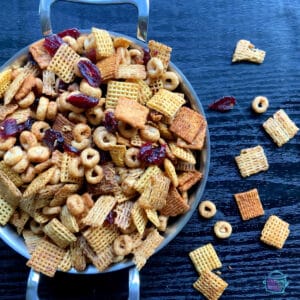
203, 35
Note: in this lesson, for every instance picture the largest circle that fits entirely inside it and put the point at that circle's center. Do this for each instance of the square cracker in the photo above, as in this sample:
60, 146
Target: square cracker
104, 43
161, 51
249, 204
131, 112
139, 217
6, 211
210, 285
108, 67
275, 232
187, 124
40, 54
245, 51
251, 161
9, 191
205, 258
5, 80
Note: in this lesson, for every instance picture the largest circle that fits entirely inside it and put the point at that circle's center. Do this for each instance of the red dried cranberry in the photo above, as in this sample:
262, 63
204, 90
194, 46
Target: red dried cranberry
104, 156
90, 72
146, 56
152, 155
73, 32
91, 55
53, 139
52, 43
110, 219
70, 149
61, 86
110, 122
26, 125
224, 104
82, 100
8, 128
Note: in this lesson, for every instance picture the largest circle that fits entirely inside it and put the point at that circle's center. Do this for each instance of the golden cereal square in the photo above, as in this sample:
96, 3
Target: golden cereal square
183, 153
131, 112
131, 72
5, 80
6, 211
139, 217
166, 102
275, 232
210, 285
104, 43
11, 174
161, 51
249, 204
144, 180
9, 191
6, 110
252, 161
205, 258
123, 214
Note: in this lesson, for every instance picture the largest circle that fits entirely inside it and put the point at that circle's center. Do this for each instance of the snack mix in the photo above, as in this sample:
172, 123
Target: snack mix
98, 148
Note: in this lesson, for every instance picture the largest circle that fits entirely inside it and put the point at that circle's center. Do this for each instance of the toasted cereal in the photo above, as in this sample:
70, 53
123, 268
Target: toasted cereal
136, 140
118, 89
155, 85
40, 218
145, 92
108, 67
166, 102
144, 180
104, 259
21, 115
123, 214
131, 112
205, 258
63, 193
275, 232
45, 195
31, 240
6, 110
59, 233
78, 259
245, 51
65, 264
152, 216
49, 83
171, 171
249, 204
11, 174
161, 51
19, 219
6, 211
65, 175
184, 166
68, 219
62, 63
251, 161
121, 197
46, 258
175, 204
183, 154
210, 285
64, 126
40, 54
8, 190
98, 213
281, 128
117, 154
187, 179
104, 43
139, 217
131, 72
5, 80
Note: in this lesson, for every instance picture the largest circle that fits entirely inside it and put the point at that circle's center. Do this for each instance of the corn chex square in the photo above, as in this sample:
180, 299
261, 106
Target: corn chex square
249, 204
104, 43
280, 128
5, 80
139, 217
275, 232
144, 180
205, 258
210, 285
161, 51
62, 63
6, 211
9, 191
31, 240
252, 161
182, 153
166, 102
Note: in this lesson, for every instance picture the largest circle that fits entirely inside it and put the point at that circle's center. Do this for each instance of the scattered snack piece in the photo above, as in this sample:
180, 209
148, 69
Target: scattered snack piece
223, 104
223, 229
280, 128
260, 104
245, 51
210, 285
249, 204
207, 209
5, 80
205, 258
275, 232
251, 161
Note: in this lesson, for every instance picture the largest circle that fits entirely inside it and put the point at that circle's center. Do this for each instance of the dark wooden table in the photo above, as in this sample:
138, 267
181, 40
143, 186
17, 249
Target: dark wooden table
203, 35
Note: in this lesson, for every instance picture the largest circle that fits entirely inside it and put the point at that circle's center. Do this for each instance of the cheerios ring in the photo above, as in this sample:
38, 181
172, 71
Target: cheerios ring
207, 209
170, 81
260, 104
223, 229
155, 67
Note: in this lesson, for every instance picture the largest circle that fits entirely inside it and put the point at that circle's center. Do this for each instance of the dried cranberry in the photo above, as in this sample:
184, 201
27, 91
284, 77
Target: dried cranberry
53, 139
82, 100
70, 149
91, 55
146, 56
52, 43
26, 125
110, 219
110, 122
61, 86
224, 104
104, 156
90, 72
8, 128
73, 32
152, 155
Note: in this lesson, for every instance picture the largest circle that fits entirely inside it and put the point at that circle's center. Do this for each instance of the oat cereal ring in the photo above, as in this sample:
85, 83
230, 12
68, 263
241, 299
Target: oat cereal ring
155, 67
6, 144
38, 154
64, 106
122, 245
150, 133
104, 139
76, 168
124, 56
81, 132
38, 128
27, 139
77, 118
55, 179
94, 175
27, 100
51, 111
127, 186
81, 145
13, 156
95, 115
35, 227
207, 209
260, 104
170, 81
89, 42
29, 174
75, 204
136, 56
22, 165
223, 229
131, 158
89, 157
86, 89
38, 86
41, 110
126, 130
48, 211
80, 44
71, 42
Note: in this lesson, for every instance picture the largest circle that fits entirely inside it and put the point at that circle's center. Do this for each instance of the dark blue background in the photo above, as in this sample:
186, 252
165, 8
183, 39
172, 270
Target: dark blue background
203, 35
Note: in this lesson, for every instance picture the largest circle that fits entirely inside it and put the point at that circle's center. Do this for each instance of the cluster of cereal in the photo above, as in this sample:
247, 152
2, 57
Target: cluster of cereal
98, 150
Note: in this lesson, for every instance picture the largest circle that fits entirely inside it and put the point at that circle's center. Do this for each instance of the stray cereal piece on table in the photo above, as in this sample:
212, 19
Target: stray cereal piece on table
275, 232
245, 51
210, 285
249, 204
260, 104
280, 128
251, 161
222, 229
207, 209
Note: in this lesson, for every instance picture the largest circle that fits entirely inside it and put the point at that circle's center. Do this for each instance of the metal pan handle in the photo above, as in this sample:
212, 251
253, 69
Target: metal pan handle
133, 285
142, 6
